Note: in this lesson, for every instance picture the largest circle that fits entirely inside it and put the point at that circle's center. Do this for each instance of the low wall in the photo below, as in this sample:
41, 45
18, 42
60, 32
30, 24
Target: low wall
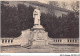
63, 41
23, 40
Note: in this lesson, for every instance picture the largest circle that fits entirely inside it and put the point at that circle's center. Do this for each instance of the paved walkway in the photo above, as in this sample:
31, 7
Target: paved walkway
51, 49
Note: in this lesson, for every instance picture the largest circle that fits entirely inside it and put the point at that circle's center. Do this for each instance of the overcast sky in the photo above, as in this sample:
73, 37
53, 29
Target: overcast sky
68, 2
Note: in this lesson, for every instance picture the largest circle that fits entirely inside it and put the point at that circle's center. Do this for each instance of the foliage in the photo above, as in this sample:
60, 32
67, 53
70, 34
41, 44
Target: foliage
16, 19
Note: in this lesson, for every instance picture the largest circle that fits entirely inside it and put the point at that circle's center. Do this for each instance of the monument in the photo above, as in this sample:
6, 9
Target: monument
38, 36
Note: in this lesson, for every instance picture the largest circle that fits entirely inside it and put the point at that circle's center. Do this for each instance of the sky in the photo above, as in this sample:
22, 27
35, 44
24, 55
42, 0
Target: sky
47, 1
68, 2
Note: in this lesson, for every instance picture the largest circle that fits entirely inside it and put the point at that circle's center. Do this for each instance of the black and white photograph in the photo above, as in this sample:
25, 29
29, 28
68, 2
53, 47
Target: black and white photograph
40, 26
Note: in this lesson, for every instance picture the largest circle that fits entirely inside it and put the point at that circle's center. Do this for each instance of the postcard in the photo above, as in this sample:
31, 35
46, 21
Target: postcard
45, 26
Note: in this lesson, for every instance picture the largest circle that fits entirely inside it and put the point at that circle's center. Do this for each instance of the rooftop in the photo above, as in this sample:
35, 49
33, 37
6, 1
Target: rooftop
48, 6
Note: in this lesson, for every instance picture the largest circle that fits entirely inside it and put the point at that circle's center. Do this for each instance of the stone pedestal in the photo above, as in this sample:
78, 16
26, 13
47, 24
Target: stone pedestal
39, 37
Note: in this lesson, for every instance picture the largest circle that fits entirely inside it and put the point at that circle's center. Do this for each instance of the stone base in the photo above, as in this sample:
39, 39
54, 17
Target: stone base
40, 44
38, 26
39, 38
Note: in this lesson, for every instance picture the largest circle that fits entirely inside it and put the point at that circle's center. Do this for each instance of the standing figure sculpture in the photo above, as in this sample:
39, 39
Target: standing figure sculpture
38, 37
36, 16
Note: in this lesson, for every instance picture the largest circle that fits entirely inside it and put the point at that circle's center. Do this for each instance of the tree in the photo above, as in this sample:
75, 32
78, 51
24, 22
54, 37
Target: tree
14, 20
64, 5
9, 21
53, 3
75, 7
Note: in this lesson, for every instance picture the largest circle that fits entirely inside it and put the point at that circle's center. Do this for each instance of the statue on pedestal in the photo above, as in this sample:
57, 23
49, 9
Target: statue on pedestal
38, 37
36, 16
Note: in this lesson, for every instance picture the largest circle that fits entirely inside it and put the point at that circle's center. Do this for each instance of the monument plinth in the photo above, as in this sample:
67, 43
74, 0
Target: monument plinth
40, 27
39, 38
